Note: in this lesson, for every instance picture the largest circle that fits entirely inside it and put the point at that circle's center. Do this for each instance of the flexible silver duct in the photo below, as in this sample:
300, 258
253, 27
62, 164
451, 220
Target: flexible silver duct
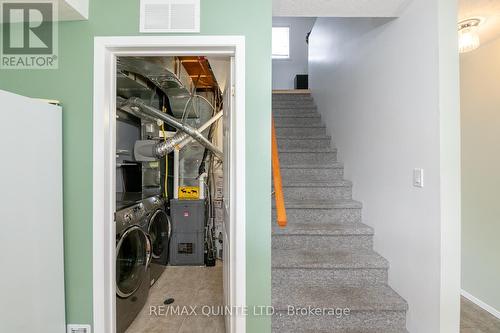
195, 134
147, 150
163, 148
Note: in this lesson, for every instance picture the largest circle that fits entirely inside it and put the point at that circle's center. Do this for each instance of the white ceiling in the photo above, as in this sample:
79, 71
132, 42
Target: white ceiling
68, 10
339, 8
487, 9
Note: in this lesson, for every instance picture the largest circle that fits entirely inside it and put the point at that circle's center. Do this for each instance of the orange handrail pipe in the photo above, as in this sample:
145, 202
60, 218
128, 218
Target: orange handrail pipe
278, 187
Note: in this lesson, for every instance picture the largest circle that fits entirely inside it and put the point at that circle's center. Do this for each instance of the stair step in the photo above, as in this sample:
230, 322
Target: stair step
297, 115
303, 114
313, 156
323, 204
294, 110
323, 229
370, 307
292, 97
320, 267
357, 298
302, 132
312, 172
320, 183
319, 190
303, 101
356, 322
321, 211
297, 121
293, 104
323, 236
293, 142
331, 259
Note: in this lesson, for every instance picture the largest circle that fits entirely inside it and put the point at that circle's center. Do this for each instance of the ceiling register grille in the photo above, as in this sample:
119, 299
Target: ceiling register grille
170, 16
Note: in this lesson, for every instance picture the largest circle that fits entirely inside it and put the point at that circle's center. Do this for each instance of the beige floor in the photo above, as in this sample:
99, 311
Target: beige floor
476, 320
199, 287
202, 286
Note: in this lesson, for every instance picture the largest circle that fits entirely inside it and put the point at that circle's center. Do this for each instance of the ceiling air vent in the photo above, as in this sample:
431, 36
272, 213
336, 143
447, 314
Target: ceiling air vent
170, 16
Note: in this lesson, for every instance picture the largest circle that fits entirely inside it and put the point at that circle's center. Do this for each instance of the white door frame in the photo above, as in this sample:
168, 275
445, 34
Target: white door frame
106, 49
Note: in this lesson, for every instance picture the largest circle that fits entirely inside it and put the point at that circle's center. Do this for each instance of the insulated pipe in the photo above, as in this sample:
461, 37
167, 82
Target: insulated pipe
137, 102
176, 173
201, 185
202, 128
121, 103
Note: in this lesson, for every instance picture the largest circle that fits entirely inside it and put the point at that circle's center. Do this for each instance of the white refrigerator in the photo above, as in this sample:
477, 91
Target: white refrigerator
31, 216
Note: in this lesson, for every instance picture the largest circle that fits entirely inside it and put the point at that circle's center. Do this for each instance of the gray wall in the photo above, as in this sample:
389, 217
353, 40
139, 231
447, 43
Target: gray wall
377, 83
480, 79
284, 70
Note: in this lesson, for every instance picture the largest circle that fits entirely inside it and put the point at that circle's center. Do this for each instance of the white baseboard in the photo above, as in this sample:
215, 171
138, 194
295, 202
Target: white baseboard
481, 304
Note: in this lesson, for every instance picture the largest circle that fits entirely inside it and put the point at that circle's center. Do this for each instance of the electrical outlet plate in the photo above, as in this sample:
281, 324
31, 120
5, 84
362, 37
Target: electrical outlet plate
74, 328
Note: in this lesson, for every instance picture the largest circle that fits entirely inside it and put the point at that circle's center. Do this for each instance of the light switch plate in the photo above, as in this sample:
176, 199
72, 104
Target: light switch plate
418, 177
75, 328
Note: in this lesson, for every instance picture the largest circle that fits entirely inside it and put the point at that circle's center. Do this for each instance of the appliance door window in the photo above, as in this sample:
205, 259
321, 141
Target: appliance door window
159, 230
132, 255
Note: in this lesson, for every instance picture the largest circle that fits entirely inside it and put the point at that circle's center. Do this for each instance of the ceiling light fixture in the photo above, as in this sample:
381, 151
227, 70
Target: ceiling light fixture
468, 37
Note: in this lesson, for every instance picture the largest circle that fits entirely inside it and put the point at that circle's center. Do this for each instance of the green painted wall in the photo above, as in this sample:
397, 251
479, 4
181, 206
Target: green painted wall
480, 112
72, 84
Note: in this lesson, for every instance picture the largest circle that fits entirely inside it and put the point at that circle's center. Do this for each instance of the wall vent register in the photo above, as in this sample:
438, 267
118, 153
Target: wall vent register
170, 16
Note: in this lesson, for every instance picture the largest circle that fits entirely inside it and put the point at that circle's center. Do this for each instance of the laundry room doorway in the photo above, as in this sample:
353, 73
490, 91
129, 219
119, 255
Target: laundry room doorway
168, 182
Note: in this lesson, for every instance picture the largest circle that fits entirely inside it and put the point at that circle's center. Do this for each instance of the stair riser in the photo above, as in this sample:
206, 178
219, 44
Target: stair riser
317, 193
309, 242
307, 158
297, 121
294, 112
303, 143
279, 103
385, 321
311, 174
301, 132
293, 104
337, 215
304, 114
294, 97
320, 277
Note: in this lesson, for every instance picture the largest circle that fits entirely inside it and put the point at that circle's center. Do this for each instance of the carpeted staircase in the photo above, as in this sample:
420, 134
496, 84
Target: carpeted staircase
324, 258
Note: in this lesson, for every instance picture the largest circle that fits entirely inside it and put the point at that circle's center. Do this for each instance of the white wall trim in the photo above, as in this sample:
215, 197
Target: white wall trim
481, 304
106, 49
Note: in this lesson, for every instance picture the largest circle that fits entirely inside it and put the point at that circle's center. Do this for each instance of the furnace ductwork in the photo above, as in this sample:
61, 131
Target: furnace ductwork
161, 149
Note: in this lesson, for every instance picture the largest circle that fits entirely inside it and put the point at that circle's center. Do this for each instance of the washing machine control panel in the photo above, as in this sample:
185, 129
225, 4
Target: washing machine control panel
154, 203
131, 215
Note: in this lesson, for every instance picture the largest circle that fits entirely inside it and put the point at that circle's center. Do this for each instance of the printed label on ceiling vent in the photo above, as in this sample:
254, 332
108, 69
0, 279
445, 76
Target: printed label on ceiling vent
170, 16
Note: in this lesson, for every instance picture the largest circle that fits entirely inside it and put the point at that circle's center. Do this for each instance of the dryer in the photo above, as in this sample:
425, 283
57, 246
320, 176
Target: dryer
159, 229
133, 257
